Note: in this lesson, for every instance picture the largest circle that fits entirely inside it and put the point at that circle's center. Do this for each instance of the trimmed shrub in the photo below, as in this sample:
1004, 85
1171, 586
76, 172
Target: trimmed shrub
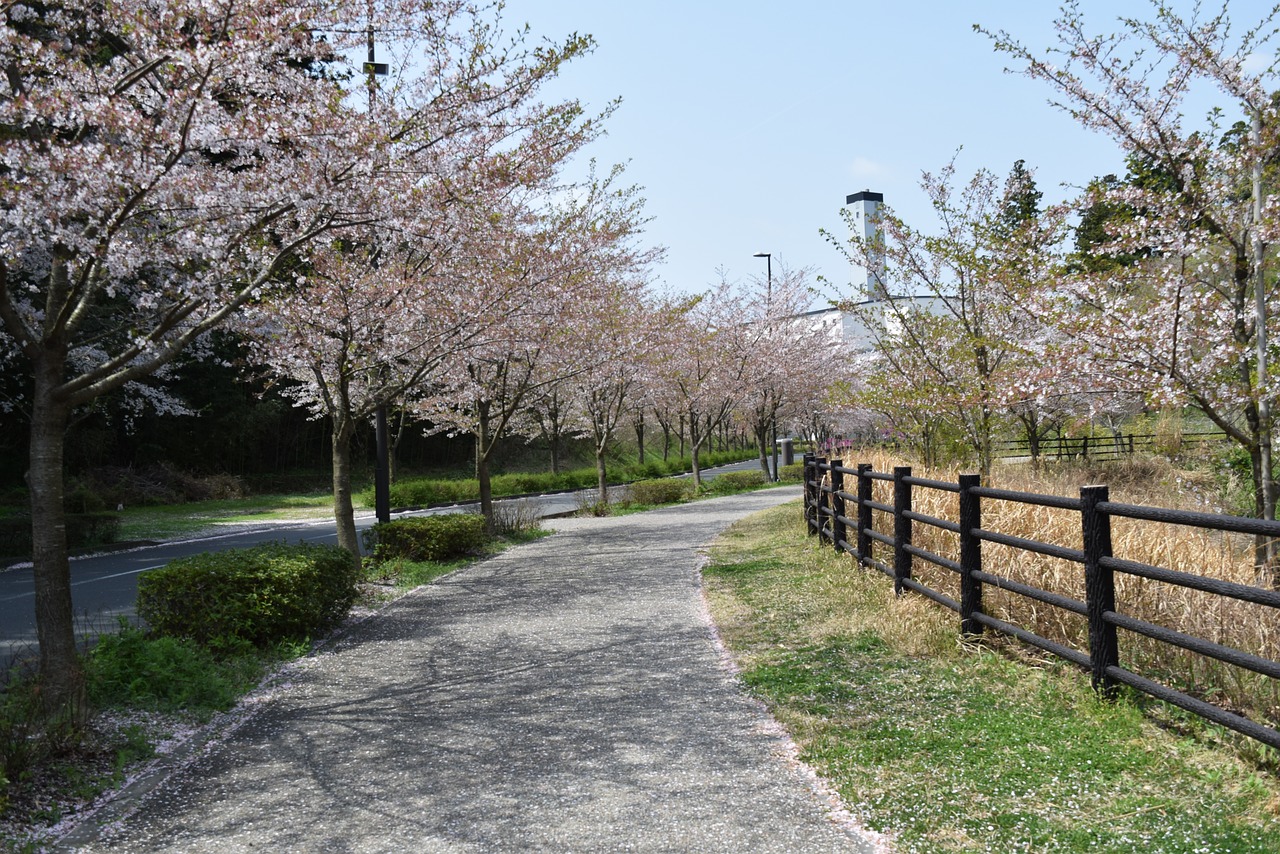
260, 596
736, 481
432, 538
662, 491
793, 473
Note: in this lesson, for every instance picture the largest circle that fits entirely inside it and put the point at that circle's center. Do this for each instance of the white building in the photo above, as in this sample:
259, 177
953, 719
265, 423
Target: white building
867, 283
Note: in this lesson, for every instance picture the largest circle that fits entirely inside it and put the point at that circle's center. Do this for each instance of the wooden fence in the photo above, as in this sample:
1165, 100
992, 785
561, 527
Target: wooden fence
1102, 447
831, 490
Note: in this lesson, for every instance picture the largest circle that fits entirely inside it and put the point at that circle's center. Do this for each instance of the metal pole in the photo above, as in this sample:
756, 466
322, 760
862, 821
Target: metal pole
381, 471
382, 467
1260, 341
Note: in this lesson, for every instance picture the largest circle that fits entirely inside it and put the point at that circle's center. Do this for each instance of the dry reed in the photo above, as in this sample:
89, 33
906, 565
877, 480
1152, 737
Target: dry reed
1142, 480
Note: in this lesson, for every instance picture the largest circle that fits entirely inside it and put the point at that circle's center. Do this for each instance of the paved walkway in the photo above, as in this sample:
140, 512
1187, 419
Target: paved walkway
566, 695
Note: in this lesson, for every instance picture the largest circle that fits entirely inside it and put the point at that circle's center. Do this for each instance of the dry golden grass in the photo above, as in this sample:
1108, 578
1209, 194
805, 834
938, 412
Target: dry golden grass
1141, 480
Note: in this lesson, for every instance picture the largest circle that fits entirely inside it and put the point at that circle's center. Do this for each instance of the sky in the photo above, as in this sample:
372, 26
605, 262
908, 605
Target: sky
748, 123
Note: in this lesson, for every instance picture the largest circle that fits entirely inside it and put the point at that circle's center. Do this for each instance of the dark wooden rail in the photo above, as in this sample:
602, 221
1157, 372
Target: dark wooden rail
832, 489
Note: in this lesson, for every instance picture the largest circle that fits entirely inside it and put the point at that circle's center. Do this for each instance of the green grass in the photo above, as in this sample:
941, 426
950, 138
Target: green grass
173, 520
959, 747
132, 670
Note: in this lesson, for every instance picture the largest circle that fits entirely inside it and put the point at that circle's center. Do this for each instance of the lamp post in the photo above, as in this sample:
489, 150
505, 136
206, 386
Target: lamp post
382, 467
768, 307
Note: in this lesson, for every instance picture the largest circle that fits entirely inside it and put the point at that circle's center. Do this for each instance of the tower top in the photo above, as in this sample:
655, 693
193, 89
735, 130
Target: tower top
864, 196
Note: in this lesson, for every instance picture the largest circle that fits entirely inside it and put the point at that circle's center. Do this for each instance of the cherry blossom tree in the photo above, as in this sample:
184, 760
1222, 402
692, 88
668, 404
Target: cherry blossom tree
1190, 318
785, 359
702, 372
162, 163
568, 259
626, 339
950, 327
466, 150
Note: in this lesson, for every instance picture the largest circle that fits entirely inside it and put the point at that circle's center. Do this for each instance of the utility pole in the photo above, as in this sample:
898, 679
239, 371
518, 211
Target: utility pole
382, 467
768, 309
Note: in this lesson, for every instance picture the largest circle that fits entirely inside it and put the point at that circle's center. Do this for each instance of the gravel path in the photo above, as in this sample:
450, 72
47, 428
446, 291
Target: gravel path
566, 695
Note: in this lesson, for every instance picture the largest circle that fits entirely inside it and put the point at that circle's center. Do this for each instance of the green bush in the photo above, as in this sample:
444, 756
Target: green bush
83, 529
736, 481
431, 538
260, 596
92, 529
793, 473
21, 737
422, 492
663, 491
133, 670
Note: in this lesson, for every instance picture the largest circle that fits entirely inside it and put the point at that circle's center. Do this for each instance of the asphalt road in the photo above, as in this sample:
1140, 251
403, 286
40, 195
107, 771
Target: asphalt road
104, 586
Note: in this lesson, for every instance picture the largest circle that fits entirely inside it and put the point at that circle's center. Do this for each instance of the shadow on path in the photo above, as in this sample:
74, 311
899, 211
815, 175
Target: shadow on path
564, 695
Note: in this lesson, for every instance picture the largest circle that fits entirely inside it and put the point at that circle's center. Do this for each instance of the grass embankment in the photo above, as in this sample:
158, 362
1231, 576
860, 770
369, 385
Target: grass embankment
957, 747
167, 521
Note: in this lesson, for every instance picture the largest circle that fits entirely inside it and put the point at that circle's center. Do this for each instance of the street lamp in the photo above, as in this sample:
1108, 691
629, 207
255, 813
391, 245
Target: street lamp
768, 307
382, 468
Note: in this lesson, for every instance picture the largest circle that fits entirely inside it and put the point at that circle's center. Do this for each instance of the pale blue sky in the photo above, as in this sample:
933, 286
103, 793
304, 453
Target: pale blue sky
748, 123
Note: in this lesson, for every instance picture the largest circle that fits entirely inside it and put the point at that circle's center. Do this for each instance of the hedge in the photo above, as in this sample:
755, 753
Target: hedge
261, 595
422, 492
736, 481
662, 491
420, 538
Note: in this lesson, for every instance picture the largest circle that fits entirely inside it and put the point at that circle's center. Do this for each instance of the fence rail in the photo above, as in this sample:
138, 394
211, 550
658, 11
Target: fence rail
828, 498
1100, 447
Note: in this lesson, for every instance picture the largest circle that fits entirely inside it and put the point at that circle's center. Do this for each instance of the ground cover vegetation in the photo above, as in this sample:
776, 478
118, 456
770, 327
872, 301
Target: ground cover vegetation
949, 746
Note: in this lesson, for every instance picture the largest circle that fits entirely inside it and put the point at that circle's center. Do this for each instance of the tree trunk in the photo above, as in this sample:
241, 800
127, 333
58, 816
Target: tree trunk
393, 455
640, 436
762, 444
483, 450
61, 675
695, 445
344, 515
602, 476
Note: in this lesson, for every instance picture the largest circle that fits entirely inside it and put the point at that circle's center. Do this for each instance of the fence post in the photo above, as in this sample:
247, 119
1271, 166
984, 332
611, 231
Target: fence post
970, 554
839, 533
1099, 588
864, 514
901, 527
808, 493
819, 499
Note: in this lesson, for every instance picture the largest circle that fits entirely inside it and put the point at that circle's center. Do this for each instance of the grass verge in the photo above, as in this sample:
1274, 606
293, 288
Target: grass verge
960, 747
167, 521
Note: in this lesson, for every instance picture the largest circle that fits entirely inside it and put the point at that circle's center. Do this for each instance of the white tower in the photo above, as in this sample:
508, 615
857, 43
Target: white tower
865, 209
